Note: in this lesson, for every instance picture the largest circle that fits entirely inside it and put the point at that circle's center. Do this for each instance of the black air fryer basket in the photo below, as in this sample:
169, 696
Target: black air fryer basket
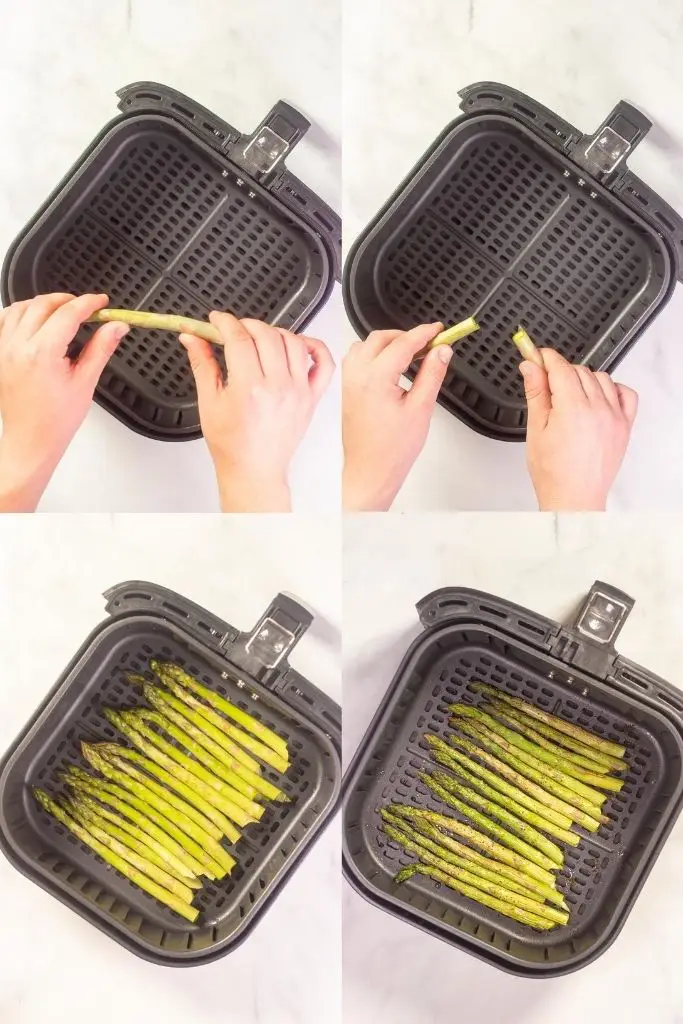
572, 671
252, 670
171, 209
516, 217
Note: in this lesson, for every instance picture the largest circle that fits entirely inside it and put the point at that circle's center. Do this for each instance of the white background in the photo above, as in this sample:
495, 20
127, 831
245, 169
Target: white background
62, 62
404, 62
395, 974
54, 966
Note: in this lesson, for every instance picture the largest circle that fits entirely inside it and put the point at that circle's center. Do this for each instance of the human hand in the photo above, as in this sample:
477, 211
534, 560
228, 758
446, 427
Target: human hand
385, 427
578, 431
253, 424
44, 395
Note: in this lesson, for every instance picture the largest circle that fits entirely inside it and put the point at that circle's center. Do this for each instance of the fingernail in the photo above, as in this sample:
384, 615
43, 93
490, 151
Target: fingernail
122, 331
525, 368
445, 353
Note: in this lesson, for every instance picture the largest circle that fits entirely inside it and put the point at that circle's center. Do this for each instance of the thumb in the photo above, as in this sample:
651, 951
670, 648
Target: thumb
537, 393
430, 377
99, 350
204, 365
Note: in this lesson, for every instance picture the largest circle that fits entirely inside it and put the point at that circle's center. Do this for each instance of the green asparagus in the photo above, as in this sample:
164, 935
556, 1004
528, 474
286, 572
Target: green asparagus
480, 841
568, 728
507, 909
447, 755
164, 896
502, 834
556, 761
494, 810
476, 881
529, 728
539, 792
176, 776
272, 749
145, 814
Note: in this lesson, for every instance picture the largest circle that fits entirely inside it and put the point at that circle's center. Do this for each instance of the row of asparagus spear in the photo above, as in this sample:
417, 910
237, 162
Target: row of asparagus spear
159, 809
522, 779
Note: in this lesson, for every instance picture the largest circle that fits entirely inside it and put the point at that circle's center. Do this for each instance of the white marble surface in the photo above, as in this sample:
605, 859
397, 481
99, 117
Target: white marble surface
404, 61
62, 63
53, 965
395, 974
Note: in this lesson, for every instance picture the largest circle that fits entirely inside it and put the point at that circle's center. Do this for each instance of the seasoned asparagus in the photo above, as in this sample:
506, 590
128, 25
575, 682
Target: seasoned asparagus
479, 840
450, 336
447, 755
507, 909
157, 322
529, 728
477, 881
269, 738
568, 728
539, 792
145, 813
502, 834
176, 775
494, 810
142, 880
521, 757
559, 762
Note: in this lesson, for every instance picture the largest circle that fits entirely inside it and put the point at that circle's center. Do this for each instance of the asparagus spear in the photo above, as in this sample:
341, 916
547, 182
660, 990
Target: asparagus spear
511, 805
146, 816
568, 728
514, 824
218, 823
183, 813
563, 741
143, 821
269, 738
164, 896
403, 830
484, 823
449, 756
142, 720
157, 322
421, 826
556, 761
201, 731
479, 840
176, 775
595, 799
524, 725
507, 909
585, 813
526, 347
539, 792
450, 336
476, 881
110, 836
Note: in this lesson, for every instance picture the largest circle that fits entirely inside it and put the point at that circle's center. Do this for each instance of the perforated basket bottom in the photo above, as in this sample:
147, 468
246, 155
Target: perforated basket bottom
498, 229
595, 872
262, 853
163, 226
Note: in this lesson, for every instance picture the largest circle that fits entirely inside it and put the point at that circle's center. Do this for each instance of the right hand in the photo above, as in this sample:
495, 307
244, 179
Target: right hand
254, 423
384, 427
578, 431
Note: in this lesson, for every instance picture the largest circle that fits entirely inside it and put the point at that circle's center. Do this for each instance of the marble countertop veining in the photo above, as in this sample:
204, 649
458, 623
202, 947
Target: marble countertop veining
53, 964
403, 65
394, 973
62, 64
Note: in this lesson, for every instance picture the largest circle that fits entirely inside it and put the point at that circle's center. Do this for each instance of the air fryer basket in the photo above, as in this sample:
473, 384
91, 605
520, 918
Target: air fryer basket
574, 672
172, 210
515, 217
251, 669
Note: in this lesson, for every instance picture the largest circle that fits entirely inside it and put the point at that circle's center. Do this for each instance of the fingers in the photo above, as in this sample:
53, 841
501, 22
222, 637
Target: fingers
60, 327
241, 356
609, 389
430, 377
377, 341
37, 311
271, 349
296, 350
401, 352
11, 317
205, 369
100, 349
537, 393
628, 401
564, 382
322, 371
